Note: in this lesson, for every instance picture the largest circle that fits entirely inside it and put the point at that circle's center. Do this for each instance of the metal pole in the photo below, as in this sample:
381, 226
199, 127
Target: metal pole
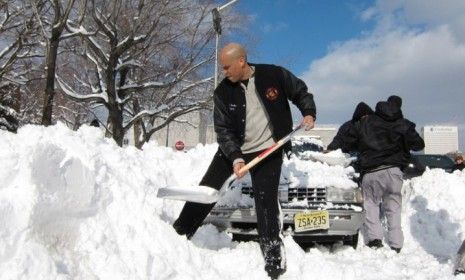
217, 26
216, 59
167, 134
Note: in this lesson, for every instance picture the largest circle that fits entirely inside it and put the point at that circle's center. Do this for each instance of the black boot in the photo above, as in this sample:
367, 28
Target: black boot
183, 230
274, 271
275, 266
375, 244
396, 249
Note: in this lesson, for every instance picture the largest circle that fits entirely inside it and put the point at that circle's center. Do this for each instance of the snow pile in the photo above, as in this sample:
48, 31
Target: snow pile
333, 158
313, 174
437, 212
302, 140
73, 205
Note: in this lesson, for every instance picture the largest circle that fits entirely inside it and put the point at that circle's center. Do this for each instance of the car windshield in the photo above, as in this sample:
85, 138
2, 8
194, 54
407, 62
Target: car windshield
301, 146
435, 161
304, 147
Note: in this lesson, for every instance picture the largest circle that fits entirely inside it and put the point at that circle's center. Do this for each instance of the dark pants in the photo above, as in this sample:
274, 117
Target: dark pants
265, 182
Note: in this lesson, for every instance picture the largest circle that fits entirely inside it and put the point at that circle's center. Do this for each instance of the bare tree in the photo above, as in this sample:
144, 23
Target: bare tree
52, 17
17, 46
15, 34
9, 118
191, 54
145, 50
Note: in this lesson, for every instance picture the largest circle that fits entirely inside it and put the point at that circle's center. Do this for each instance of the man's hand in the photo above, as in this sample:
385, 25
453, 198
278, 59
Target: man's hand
238, 167
308, 122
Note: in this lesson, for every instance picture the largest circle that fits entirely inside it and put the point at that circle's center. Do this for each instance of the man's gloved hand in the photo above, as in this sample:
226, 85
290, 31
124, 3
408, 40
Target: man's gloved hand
308, 122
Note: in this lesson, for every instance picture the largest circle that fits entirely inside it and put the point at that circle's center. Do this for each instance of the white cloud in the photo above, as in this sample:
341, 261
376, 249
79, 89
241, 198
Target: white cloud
425, 65
428, 13
274, 27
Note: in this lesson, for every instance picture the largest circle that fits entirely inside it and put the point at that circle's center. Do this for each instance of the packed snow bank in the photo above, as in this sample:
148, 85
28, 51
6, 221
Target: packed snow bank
73, 205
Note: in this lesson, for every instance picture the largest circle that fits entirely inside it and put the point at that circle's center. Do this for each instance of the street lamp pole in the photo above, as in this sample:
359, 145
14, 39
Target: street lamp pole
167, 134
217, 26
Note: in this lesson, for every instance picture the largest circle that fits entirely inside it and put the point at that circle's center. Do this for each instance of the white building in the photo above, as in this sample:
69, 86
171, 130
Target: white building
196, 132
192, 129
440, 139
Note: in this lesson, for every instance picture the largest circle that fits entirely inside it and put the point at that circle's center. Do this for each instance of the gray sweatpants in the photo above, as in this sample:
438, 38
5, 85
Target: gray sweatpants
383, 188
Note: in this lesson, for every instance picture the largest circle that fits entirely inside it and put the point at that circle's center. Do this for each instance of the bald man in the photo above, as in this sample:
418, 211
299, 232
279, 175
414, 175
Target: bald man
251, 113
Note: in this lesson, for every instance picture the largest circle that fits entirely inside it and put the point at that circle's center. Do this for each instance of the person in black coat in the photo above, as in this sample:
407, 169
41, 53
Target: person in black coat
459, 164
382, 140
397, 101
251, 113
361, 111
383, 137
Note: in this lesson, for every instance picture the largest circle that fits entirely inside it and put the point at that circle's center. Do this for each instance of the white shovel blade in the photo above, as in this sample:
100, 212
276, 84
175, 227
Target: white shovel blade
200, 194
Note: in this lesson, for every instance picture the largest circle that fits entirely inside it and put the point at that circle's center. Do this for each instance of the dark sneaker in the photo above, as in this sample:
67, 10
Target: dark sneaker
375, 244
459, 271
396, 249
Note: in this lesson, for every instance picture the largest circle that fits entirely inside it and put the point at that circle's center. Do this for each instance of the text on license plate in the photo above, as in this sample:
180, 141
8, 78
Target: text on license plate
311, 221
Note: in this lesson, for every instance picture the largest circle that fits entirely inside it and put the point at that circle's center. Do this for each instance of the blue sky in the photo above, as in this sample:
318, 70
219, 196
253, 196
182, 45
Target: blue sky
352, 51
292, 33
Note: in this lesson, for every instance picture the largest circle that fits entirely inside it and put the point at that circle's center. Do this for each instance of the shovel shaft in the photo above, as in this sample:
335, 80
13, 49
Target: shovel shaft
269, 151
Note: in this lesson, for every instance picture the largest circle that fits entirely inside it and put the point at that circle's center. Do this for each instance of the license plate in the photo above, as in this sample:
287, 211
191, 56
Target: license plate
314, 220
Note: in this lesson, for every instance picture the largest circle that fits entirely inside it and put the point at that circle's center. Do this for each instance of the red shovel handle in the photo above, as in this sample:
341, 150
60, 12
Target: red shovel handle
269, 150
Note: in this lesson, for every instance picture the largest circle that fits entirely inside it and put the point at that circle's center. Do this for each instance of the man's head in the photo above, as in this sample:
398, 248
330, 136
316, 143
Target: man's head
233, 59
396, 100
361, 111
459, 159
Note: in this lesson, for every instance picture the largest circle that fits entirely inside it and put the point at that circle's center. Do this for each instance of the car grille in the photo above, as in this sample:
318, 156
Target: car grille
311, 194
296, 194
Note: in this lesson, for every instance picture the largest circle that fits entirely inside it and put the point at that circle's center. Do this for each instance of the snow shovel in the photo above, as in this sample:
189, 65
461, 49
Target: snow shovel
208, 195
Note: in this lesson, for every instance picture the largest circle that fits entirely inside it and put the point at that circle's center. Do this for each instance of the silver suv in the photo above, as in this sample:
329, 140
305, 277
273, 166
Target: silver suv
314, 211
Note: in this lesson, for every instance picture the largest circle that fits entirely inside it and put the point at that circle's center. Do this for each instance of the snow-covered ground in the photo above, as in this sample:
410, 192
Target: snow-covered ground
73, 205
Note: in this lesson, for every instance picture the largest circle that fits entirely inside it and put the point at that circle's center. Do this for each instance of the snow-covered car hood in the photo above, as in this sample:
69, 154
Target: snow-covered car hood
297, 173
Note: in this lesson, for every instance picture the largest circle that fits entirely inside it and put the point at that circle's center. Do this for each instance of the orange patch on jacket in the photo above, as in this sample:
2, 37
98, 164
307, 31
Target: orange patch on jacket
271, 93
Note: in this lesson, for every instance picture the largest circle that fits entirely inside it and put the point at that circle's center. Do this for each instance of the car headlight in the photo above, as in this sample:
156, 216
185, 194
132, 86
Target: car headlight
334, 194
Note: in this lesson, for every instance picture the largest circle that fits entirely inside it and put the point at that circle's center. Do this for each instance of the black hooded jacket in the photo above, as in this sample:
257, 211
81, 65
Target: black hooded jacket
384, 138
361, 110
275, 86
459, 167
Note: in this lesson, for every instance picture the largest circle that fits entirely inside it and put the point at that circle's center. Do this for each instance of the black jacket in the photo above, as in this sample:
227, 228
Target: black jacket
361, 110
275, 86
458, 167
338, 140
384, 138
